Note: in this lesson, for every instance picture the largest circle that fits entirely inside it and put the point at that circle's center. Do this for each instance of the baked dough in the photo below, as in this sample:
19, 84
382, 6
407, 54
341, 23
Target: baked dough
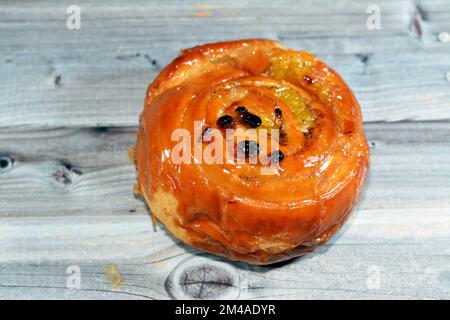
236, 210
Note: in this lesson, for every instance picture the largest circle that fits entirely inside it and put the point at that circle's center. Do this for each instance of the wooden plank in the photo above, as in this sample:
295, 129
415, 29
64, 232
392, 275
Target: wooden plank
102, 70
380, 254
87, 171
79, 171
66, 193
394, 246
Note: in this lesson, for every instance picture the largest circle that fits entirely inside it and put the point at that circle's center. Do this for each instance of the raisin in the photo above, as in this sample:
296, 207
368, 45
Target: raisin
226, 122
241, 109
249, 148
278, 112
277, 156
253, 121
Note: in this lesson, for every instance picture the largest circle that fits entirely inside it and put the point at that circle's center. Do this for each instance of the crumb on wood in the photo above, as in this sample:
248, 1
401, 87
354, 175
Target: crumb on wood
113, 275
444, 37
202, 10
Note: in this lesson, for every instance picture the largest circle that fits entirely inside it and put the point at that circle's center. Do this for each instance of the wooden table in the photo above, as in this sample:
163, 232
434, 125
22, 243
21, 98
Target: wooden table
70, 226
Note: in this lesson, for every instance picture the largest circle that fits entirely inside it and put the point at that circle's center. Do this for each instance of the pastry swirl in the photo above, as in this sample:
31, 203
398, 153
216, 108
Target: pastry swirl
233, 208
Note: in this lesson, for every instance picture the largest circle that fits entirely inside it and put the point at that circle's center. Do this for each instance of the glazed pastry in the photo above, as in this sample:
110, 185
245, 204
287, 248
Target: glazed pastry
273, 193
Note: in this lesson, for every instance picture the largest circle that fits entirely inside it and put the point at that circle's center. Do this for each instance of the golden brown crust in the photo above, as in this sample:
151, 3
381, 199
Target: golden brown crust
232, 210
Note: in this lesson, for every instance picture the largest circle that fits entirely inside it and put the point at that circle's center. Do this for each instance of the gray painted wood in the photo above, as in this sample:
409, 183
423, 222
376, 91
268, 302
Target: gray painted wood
87, 216
87, 171
69, 101
105, 66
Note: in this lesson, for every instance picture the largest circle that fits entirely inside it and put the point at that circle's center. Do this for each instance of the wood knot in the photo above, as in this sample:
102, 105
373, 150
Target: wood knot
152, 61
57, 79
66, 172
202, 278
416, 24
100, 130
364, 57
6, 163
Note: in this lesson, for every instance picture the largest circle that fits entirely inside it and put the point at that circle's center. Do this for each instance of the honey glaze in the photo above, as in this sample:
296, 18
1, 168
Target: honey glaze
235, 208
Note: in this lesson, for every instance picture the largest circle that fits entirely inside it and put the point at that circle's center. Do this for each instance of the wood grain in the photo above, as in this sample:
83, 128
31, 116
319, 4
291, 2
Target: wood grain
69, 106
80, 171
401, 228
410, 258
102, 70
